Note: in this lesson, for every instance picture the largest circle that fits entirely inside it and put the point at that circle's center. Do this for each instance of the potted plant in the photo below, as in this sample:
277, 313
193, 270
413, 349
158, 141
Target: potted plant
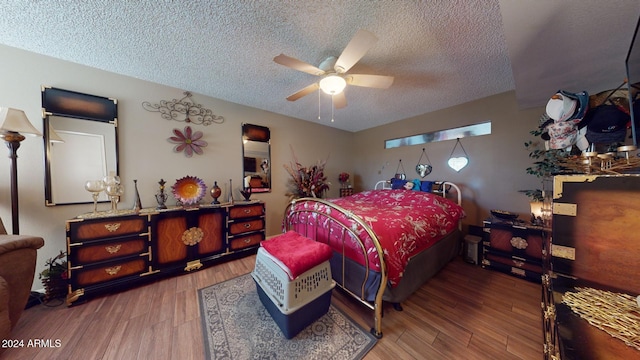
54, 277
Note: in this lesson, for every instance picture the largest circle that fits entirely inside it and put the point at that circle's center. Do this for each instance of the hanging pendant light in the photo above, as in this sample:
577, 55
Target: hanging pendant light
459, 162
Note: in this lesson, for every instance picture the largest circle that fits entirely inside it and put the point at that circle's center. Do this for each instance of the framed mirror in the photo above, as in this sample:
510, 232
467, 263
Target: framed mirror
80, 144
256, 155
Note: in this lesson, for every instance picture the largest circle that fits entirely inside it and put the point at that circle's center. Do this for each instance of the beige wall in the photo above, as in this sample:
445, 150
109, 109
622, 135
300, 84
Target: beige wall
145, 153
492, 179
497, 164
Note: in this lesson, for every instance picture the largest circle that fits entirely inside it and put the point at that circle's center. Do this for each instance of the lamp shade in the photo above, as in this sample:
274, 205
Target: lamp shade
332, 84
53, 136
15, 120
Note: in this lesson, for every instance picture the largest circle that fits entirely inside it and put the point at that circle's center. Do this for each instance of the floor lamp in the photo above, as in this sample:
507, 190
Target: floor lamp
14, 124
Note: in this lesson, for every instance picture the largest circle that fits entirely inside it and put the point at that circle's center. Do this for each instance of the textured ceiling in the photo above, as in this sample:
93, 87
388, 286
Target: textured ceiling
441, 53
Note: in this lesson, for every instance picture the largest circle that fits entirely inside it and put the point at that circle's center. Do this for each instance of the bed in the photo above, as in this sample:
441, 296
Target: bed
386, 242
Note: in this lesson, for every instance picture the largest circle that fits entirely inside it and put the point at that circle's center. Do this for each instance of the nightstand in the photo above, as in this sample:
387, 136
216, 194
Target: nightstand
513, 247
346, 192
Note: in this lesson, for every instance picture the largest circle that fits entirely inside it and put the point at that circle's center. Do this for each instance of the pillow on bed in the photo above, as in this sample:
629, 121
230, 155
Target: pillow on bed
397, 183
426, 186
416, 185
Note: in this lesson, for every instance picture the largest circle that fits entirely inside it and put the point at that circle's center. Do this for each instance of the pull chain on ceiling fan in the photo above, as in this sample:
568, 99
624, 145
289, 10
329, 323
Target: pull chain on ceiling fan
334, 71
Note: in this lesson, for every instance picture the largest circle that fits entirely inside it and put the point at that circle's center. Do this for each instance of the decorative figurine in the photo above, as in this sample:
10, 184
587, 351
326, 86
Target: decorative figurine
215, 193
161, 196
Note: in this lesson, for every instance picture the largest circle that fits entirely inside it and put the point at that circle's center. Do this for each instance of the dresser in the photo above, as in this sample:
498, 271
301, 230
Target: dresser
513, 247
110, 252
594, 244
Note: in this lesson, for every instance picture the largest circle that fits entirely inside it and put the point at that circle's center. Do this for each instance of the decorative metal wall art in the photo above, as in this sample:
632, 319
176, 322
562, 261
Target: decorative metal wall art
184, 110
188, 141
424, 169
400, 175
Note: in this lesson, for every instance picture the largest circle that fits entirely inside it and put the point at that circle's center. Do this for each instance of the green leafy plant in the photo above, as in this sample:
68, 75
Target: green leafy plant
545, 163
54, 277
55, 267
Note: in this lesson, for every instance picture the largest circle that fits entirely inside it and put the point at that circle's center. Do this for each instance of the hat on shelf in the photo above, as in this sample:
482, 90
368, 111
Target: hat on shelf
607, 124
567, 110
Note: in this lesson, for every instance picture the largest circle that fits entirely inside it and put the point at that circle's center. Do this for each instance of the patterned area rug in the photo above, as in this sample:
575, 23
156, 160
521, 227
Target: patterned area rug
237, 326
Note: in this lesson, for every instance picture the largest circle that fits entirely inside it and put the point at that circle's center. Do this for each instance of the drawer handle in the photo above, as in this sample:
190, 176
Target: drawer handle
247, 226
112, 227
247, 211
113, 270
247, 240
113, 249
519, 243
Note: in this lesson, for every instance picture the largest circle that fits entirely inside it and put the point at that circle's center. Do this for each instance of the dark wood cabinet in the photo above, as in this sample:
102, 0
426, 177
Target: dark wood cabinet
594, 246
183, 239
513, 247
107, 252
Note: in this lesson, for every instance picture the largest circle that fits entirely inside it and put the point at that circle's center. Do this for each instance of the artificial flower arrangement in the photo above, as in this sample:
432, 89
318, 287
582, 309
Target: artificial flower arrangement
306, 181
343, 177
54, 276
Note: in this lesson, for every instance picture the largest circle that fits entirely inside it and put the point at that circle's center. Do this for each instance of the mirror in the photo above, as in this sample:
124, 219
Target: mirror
256, 154
81, 144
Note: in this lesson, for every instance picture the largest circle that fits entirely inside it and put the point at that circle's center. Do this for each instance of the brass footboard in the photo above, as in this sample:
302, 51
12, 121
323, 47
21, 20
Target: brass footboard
320, 220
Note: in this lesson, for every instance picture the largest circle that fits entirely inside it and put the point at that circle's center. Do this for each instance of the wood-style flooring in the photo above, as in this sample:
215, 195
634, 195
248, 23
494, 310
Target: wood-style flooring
465, 312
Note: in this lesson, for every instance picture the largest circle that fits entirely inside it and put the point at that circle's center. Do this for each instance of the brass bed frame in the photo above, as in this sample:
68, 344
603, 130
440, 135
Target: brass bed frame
317, 210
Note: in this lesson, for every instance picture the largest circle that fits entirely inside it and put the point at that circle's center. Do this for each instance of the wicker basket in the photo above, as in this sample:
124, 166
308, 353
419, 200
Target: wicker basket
55, 288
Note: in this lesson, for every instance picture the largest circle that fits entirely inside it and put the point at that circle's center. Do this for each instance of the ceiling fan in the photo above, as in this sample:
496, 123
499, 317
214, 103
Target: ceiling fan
334, 70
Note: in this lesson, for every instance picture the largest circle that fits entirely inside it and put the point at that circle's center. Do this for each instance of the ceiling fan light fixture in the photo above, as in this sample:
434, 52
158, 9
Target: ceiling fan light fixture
332, 84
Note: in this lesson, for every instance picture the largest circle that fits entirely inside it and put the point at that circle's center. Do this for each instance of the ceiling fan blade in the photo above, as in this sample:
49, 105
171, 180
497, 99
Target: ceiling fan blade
361, 42
306, 91
296, 64
339, 100
372, 81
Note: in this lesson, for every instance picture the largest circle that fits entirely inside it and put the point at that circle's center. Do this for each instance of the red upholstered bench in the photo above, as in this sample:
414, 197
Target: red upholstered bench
293, 280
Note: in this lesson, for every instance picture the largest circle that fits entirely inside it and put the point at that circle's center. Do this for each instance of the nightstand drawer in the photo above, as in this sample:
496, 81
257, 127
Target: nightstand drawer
89, 230
87, 254
246, 226
240, 212
517, 241
246, 241
108, 272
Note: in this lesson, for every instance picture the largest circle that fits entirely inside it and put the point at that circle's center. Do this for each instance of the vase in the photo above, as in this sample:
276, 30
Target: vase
215, 193
137, 204
230, 192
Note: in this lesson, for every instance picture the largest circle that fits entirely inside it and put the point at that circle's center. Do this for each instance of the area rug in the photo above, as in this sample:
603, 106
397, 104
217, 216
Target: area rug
236, 325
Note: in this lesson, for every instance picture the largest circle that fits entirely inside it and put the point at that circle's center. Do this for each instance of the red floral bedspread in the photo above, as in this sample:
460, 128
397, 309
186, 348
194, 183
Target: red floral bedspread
405, 221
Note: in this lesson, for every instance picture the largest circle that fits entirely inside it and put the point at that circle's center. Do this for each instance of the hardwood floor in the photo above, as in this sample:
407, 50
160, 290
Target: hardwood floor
465, 312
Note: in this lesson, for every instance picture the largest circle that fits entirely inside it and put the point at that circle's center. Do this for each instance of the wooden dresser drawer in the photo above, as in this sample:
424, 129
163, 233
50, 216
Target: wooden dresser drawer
246, 226
108, 272
240, 212
520, 242
86, 254
89, 230
246, 241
